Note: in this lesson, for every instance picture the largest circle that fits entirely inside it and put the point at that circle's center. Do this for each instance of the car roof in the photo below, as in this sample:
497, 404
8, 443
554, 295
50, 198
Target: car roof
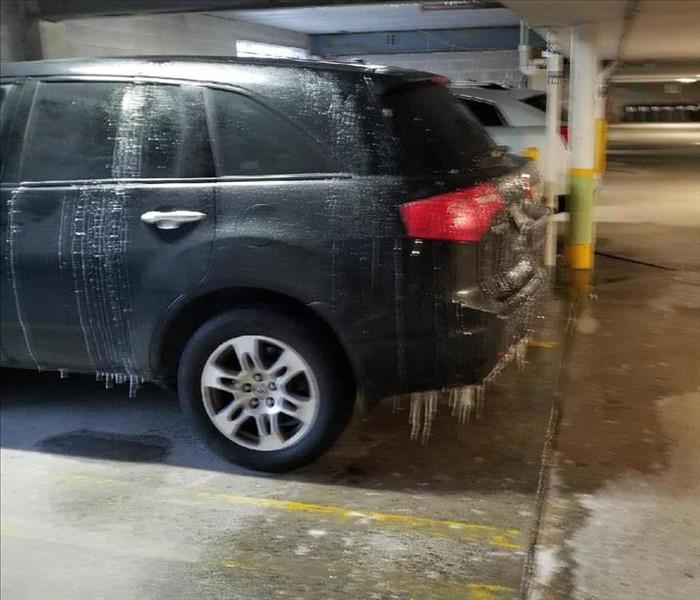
196, 68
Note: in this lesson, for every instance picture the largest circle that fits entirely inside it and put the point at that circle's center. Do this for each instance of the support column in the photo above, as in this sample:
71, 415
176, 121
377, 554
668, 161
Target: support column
582, 91
601, 122
552, 160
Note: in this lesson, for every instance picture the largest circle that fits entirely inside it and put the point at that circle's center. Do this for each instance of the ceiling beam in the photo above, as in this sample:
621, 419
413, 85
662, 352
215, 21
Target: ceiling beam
432, 40
656, 72
57, 10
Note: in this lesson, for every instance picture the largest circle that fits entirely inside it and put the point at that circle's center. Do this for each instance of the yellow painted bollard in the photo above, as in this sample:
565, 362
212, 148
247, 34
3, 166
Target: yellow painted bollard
532, 153
601, 145
580, 251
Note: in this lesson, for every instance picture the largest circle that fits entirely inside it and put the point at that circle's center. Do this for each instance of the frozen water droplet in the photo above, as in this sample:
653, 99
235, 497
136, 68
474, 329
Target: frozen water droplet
134, 383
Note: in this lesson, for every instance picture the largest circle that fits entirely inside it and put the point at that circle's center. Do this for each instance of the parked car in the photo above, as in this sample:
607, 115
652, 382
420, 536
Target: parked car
272, 238
516, 118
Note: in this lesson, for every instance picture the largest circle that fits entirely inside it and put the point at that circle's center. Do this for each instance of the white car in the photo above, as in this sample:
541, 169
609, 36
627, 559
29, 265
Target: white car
516, 118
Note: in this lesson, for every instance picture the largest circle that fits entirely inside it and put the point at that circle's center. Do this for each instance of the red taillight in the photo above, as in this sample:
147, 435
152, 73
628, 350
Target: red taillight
564, 133
440, 80
460, 216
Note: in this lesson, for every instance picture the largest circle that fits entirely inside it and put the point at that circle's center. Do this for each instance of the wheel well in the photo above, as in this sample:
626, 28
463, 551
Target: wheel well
181, 326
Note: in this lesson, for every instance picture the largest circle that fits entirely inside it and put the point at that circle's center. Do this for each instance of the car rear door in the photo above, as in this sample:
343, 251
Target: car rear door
110, 219
13, 113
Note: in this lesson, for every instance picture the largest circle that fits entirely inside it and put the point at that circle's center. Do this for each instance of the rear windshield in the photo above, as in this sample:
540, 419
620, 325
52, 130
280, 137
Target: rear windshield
538, 101
436, 133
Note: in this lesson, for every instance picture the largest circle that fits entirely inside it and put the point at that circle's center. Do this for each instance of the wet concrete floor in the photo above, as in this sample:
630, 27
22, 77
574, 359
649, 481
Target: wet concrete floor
580, 481
621, 515
109, 497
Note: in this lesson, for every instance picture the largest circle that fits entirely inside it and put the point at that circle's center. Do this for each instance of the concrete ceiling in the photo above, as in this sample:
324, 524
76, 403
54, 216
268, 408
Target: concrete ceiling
628, 30
649, 71
361, 18
663, 30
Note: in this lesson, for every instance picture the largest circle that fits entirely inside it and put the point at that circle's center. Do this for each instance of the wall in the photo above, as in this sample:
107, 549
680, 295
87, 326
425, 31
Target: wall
622, 94
489, 65
184, 33
19, 33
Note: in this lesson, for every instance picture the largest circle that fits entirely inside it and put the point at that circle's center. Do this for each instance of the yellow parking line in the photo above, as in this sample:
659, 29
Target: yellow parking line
467, 532
402, 582
500, 537
443, 588
229, 563
485, 591
542, 344
448, 588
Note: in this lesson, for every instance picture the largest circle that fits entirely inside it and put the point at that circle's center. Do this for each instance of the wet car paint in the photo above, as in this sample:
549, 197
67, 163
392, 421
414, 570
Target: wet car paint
410, 315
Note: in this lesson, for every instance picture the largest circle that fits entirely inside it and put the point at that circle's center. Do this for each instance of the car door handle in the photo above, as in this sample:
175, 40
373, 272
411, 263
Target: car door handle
171, 219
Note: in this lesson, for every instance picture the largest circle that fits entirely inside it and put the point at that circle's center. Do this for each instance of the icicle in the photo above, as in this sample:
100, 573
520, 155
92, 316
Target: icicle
414, 414
134, 383
463, 401
422, 413
452, 400
465, 404
431, 402
109, 380
520, 354
63, 374
480, 396
395, 405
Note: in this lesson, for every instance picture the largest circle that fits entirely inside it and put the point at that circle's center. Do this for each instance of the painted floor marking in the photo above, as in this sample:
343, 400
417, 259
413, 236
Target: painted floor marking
501, 537
543, 344
440, 588
467, 532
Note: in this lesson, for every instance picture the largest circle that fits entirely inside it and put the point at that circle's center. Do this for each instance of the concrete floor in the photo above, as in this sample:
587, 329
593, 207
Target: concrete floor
581, 480
149, 513
621, 516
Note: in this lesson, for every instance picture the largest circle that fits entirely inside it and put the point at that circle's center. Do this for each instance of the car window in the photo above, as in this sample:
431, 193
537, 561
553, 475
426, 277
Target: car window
436, 133
105, 130
539, 101
5, 89
486, 113
250, 139
8, 100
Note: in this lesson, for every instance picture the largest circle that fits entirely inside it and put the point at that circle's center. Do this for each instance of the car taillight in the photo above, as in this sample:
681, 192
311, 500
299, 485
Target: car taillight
460, 216
439, 80
564, 133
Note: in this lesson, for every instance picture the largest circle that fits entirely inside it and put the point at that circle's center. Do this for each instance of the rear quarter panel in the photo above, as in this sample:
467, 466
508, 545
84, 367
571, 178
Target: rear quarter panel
326, 242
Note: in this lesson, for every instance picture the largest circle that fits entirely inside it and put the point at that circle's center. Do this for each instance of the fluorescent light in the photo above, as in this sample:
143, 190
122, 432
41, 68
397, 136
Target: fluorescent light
246, 48
460, 5
686, 80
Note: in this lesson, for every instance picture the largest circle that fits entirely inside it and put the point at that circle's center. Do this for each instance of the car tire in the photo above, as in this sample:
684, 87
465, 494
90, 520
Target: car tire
249, 409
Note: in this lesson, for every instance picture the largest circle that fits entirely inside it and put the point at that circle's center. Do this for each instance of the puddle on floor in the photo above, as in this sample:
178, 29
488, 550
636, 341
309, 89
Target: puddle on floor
108, 446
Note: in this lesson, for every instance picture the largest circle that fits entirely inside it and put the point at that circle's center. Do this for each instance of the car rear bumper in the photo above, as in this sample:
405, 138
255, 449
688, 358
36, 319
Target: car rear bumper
466, 348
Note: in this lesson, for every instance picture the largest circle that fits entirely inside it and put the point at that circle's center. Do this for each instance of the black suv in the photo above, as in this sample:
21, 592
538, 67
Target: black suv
273, 238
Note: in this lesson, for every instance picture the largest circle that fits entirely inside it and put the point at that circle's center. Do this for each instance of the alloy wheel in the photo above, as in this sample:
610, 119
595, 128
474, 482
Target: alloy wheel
259, 392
